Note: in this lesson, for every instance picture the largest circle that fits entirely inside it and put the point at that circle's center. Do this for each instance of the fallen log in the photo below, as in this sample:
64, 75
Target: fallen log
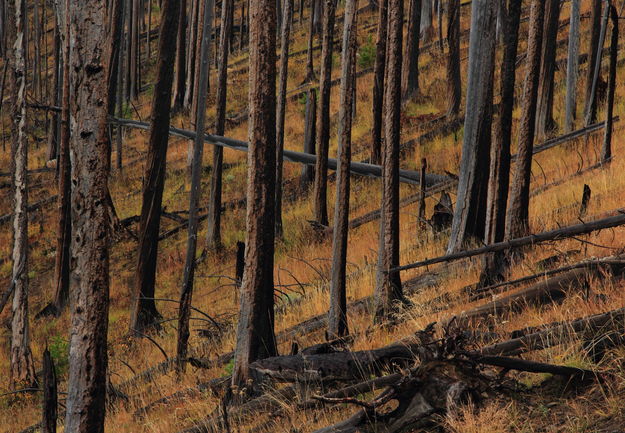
558, 234
33, 207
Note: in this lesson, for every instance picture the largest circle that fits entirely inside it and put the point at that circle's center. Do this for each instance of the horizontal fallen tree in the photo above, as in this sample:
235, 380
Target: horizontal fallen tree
552, 235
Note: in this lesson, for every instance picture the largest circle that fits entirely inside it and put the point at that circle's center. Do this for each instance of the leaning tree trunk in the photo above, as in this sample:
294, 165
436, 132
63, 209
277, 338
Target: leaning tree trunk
410, 67
388, 290
517, 218
282, 80
590, 105
323, 115
470, 214
337, 318
572, 67
255, 332
213, 236
186, 294
378, 82
499, 175
144, 312
86, 393
22, 366
64, 208
454, 82
544, 110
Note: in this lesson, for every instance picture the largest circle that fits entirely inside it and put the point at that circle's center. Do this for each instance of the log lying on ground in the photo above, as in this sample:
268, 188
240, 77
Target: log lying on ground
33, 207
558, 234
360, 168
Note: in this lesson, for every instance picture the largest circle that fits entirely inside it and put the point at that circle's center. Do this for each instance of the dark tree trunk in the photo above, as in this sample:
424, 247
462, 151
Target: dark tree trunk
50, 406
144, 312
572, 67
308, 171
213, 236
135, 54
499, 175
517, 218
454, 82
378, 82
544, 110
90, 218
181, 58
186, 294
606, 149
388, 290
282, 80
422, 183
192, 39
310, 70
591, 114
470, 213
410, 67
255, 332
593, 48
427, 21
337, 318
323, 115
57, 79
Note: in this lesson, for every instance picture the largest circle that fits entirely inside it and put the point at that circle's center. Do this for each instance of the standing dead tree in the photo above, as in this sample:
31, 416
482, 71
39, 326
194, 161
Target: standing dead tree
594, 53
454, 82
337, 318
22, 365
378, 83
499, 174
50, 405
144, 312
606, 149
255, 333
186, 293
517, 216
310, 119
181, 46
88, 359
572, 67
470, 213
410, 67
323, 115
213, 235
388, 290
282, 80
310, 70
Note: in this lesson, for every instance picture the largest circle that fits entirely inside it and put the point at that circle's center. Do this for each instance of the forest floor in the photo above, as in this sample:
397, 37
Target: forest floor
302, 264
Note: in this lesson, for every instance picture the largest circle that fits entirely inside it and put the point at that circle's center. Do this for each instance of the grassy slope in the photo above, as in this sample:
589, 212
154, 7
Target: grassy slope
301, 257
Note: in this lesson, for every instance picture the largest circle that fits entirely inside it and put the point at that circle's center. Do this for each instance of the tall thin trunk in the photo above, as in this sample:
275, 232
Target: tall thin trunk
337, 317
144, 313
323, 115
572, 67
410, 67
590, 105
50, 405
388, 289
181, 46
282, 80
378, 82
469, 219
186, 294
192, 39
86, 393
213, 237
454, 82
591, 113
427, 21
22, 366
310, 70
135, 85
544, 109
517, 219
255, 331
57, 77
606, 149
499, 175
310, 119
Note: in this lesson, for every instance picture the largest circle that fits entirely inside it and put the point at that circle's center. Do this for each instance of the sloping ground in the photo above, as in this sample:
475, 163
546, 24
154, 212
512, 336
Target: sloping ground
302, 271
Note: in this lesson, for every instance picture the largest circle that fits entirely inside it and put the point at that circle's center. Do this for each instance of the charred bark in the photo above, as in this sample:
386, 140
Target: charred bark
378, 83
410, 67
454, 82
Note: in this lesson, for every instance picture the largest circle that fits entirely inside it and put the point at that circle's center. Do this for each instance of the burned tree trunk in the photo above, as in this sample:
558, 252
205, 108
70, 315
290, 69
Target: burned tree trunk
282, 80
255, 332
517, 218
378, 82
50, 406
213, 236
337, 318
454, 82
544, 110
57, 79
572, 67
499, 174
590, 107
91, 219
323, 115
144, 312
606, 149
388, 290
470, 214
410, 67
310, 118
427, 21
192, 40
186, 294
22, 366
310, 71
181, 46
